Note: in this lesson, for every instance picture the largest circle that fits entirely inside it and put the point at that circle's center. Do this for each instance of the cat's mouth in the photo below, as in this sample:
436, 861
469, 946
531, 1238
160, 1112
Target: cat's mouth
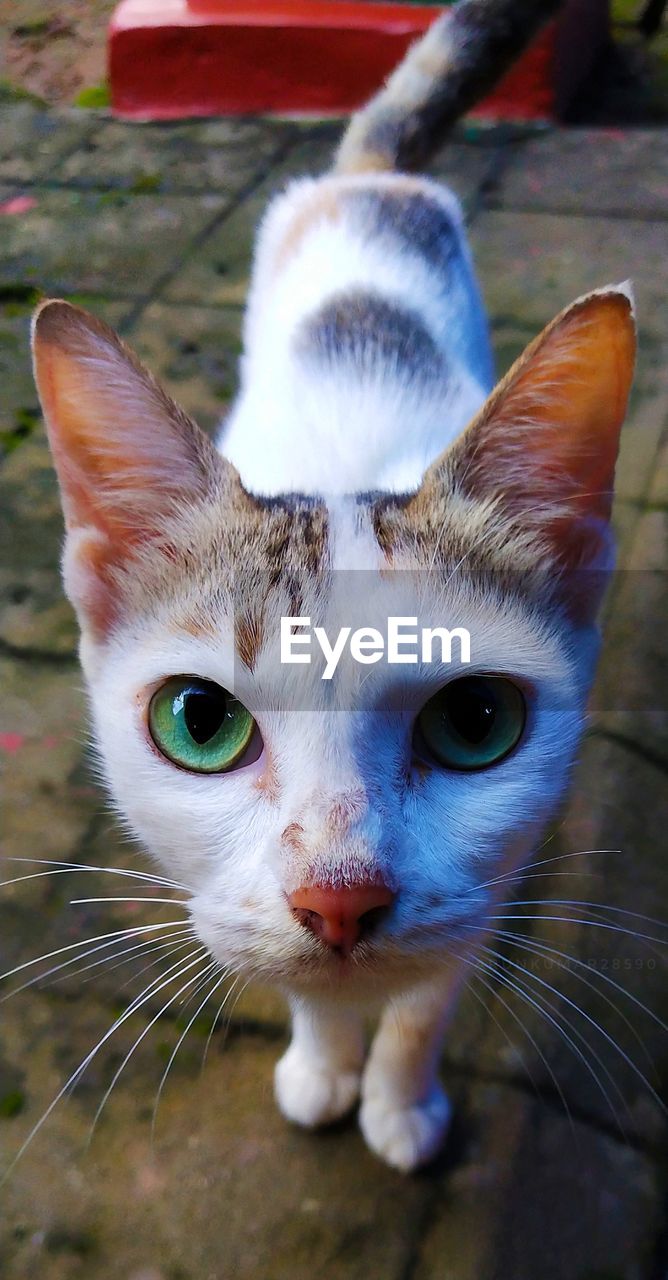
367, 972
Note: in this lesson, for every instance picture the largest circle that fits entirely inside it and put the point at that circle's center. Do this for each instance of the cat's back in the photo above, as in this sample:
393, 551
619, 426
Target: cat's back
366, 344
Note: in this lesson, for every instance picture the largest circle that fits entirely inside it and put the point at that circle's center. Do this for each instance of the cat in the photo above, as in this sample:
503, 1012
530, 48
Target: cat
348, 840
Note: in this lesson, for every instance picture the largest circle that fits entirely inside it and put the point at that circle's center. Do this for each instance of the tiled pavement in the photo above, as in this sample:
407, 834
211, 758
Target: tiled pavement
152, 228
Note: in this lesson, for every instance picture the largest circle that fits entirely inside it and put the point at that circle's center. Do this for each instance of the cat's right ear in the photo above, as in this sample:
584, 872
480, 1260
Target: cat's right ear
128, 459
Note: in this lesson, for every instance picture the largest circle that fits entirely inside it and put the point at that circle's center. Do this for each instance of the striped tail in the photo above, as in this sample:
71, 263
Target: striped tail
456, 63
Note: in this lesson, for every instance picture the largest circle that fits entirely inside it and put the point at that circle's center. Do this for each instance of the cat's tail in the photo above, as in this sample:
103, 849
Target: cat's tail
456, 63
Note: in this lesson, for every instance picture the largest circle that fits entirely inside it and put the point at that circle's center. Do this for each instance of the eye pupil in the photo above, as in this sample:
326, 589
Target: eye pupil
199, 726
471, 712
204, 714
472, 723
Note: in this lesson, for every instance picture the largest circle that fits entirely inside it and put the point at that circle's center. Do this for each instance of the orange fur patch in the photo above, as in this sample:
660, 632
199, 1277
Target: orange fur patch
347, 809
323, 206
293, 837
249, 635
267, 784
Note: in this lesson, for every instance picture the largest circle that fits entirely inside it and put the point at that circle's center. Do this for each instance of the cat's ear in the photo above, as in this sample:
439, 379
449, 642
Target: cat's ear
128, 459
543, 448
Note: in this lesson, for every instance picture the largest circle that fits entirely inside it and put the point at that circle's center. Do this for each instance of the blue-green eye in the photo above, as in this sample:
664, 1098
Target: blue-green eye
472, 723
198, 725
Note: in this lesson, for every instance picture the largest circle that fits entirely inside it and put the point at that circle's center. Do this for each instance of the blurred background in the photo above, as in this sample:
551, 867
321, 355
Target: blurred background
557, 1062
57, 54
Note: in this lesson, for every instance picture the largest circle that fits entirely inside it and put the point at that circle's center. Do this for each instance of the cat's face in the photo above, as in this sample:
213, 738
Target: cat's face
334, 782
178, 574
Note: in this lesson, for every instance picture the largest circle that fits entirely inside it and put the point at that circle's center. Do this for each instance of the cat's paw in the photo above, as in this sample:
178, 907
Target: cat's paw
405, 1137
311, 1093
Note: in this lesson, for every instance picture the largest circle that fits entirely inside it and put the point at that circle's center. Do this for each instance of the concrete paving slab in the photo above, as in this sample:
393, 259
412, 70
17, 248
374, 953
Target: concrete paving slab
107, 242
19, 407
228, 1188
34, 143
290, 1204
636, 705
34, 616
214, 155
467, 170
658, 494
538, 1196
19, 410
639, 450
47, 806
625, 516
613, 172
218, 274
533, 264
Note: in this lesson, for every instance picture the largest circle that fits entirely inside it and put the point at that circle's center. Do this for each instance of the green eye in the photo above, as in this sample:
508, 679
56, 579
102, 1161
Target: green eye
473, 723
198, 725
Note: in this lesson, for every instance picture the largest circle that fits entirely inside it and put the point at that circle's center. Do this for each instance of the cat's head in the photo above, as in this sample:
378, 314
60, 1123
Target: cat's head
416, 787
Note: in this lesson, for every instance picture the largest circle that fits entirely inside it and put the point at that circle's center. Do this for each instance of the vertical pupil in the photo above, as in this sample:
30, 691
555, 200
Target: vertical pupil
203, 713
472, 713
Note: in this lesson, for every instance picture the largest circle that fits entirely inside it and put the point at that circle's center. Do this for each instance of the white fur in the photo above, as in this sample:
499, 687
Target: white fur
438, 840
294, 429
435, 843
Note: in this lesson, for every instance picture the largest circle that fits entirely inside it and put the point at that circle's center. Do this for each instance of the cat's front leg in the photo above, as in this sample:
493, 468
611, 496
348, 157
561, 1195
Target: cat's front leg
318, 1078
405, 1112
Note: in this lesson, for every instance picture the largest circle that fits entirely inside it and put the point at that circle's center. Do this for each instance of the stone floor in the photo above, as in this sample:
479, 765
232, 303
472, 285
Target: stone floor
557, 1163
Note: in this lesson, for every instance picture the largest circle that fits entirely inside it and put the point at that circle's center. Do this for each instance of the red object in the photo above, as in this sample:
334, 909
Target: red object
339, 917
17, 205
170, 59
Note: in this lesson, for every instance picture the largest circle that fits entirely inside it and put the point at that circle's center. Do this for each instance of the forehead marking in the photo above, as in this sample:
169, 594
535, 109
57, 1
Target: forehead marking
352, 541
249, 637
228, 560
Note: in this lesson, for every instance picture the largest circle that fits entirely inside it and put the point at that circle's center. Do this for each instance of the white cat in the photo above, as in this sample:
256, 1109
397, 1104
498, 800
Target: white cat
346, 840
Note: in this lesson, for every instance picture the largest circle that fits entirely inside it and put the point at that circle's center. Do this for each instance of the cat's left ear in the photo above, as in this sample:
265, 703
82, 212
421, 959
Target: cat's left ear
542, 451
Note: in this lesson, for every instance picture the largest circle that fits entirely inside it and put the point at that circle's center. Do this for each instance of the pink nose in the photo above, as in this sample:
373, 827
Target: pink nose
340, 917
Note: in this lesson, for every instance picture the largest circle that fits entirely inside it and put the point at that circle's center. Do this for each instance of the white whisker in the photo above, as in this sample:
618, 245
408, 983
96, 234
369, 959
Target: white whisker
561, 995
129, 932
543, 862
596, 906
165, 951
218, 981
65, 868
145, 1032
153, 988
170, 902
42, 977
547, 1009
542, 950
532, 1040
219, 1011
590, 924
